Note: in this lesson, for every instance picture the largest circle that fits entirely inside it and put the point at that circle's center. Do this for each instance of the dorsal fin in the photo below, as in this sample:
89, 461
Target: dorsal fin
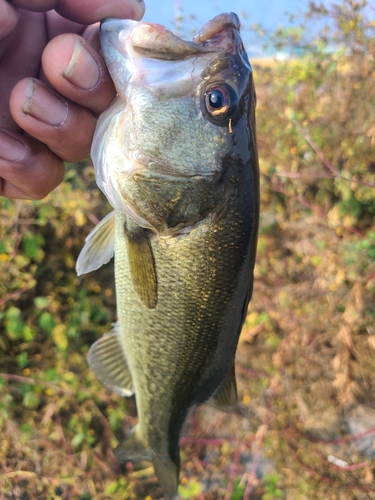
142, 264
99, 246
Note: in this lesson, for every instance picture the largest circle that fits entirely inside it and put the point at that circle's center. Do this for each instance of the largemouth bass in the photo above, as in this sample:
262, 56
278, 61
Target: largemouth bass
176, 156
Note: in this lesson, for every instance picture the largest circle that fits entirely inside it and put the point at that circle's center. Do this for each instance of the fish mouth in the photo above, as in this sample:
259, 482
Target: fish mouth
155, 41
150, 40
153, 55
161, 170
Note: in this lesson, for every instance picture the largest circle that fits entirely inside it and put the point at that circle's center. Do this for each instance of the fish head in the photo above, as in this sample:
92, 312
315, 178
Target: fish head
183, 109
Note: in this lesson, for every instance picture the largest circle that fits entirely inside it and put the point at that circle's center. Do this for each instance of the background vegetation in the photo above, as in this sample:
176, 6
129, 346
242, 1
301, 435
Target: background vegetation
304, 426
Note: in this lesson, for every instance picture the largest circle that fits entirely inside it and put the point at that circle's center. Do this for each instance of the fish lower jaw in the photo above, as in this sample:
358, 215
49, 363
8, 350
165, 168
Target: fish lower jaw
160, 170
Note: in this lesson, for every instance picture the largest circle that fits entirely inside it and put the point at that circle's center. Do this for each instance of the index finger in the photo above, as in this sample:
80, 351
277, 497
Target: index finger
8, 18
87, 11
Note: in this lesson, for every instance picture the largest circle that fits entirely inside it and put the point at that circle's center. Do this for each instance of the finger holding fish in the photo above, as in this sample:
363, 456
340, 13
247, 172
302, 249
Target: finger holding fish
30, 167
62, 117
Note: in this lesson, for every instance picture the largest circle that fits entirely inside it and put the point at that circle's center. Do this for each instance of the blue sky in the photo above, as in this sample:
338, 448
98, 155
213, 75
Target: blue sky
268, 13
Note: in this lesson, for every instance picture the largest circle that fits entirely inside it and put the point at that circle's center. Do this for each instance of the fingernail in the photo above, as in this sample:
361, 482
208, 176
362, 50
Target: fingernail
82, 70
11, 149
41, 104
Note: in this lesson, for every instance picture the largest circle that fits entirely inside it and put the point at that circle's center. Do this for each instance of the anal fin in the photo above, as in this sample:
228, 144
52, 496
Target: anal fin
106, 359
142, 264
226, 395
132, 448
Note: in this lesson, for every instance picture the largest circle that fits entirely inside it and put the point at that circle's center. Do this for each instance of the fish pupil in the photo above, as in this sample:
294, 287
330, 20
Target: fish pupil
216, 99
220, 102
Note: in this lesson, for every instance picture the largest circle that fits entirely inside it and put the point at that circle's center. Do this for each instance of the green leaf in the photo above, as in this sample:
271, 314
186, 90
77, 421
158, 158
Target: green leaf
31, 244
42, 302
31, 400
77, 440
14, 324
51, 375
47, 321
238, 490
190, 489
115, 418
28, 333
26, 428
13, 313
110, 488
22, 359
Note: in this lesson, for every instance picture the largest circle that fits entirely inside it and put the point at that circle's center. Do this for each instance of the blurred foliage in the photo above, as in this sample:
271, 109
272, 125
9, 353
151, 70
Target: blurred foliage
308, 342
319, 149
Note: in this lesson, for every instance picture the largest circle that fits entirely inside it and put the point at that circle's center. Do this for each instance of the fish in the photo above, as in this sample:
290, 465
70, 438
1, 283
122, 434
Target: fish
176, 156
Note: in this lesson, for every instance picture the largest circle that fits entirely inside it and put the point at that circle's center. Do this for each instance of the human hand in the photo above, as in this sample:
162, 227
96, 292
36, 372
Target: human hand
43, 126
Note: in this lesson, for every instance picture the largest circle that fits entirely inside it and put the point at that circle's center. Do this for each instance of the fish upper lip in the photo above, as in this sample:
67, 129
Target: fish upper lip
155, 41
151, 39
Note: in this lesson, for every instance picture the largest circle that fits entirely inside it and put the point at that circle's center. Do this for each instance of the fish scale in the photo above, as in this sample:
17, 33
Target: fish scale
183, 332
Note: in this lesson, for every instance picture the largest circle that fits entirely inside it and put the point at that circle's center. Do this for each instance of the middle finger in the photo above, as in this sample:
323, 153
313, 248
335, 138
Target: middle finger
78, 72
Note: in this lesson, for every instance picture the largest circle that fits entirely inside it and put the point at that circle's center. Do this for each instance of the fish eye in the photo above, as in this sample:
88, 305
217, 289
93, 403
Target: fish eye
220, 100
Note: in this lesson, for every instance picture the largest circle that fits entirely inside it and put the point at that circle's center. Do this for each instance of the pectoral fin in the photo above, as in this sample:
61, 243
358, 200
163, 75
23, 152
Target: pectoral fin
99, 246
226, 395
142, 264
106, 359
